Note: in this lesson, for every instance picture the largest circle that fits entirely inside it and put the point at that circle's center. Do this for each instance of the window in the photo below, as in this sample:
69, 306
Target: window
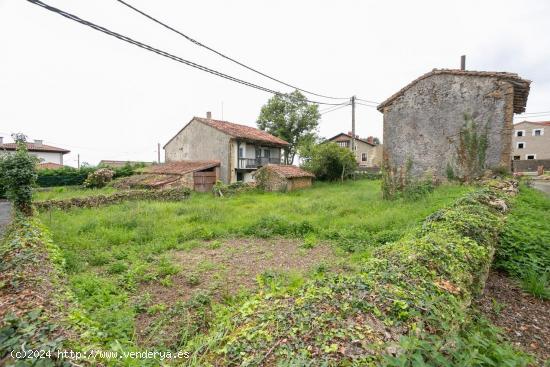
538, 132
520, 132
343, 144
240, 176
241, 152
521, 145
517, 158
363, 157
531, 156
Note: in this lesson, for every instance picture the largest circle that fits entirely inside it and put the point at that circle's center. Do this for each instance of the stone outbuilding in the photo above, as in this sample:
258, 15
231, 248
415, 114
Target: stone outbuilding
423, 121
274, 177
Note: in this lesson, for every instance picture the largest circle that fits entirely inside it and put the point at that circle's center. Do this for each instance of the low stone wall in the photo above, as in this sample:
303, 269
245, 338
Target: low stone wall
174, 194
530, 165
299, 183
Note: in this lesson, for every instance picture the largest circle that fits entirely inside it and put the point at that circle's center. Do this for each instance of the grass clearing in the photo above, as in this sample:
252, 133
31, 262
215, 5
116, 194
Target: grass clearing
121, 258
69, 192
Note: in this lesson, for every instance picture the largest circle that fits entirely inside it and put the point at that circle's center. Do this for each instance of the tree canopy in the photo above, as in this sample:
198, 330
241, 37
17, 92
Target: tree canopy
291, 118
330, 162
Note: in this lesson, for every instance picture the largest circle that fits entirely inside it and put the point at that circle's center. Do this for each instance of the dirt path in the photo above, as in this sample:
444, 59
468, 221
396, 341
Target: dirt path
5, 216
524, 319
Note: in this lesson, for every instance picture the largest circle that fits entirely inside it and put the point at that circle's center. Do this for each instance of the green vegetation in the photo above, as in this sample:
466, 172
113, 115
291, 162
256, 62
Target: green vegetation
420, 286
18, 175
291, 118
398, 182
524, 251
329, 162
69, 176
113, 251
68, 192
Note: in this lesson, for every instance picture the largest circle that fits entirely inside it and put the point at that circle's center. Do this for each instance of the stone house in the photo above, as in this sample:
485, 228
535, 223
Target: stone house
367, 153
44, 153
276, 177
240, 149
531, 141
422, 121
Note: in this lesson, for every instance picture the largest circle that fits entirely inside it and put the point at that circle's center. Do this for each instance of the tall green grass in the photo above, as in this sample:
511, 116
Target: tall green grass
68, 192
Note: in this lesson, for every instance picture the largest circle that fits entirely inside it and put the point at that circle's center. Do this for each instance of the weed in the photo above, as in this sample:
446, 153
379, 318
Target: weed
192, 279
310, 240
536, 285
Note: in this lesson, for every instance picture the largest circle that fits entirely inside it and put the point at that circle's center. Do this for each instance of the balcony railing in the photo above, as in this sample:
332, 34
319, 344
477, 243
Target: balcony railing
257, 162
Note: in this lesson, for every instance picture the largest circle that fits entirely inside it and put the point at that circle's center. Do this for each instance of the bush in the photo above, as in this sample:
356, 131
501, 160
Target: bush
69, 176
99, 178
329, 162
17, 176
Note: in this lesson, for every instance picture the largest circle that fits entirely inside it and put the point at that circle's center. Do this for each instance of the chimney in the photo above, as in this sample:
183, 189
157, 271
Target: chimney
209, 115
370, 139
38, 142
463, 62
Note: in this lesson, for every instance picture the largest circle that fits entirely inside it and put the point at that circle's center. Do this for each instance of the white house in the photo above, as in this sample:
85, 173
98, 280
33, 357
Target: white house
45, 153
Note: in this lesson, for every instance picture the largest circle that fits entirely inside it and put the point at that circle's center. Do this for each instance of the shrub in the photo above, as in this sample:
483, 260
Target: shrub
99, 178
18, 175
66, 176
329, 162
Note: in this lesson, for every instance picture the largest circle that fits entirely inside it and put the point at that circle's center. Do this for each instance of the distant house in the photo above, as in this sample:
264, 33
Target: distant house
49, 166
45, 153
422, 121
118, 164
367, 153
531, 141
275, 177
240, 149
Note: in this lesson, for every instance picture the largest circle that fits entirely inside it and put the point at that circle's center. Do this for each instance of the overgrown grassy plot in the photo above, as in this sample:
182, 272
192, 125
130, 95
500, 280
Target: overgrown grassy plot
524, 251
113, 251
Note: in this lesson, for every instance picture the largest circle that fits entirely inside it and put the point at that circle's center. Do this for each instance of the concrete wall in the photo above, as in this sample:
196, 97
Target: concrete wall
537, 145
424, 123
198, 141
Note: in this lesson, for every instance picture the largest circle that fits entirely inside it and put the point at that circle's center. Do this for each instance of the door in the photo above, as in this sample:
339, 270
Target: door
204, 181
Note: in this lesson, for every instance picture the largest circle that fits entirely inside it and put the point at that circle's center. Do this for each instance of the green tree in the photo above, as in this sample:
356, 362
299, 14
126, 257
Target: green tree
330, 162
291, 118
18, 175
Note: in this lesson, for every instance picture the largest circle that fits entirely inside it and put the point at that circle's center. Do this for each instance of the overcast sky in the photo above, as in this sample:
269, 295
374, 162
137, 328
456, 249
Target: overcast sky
82, 90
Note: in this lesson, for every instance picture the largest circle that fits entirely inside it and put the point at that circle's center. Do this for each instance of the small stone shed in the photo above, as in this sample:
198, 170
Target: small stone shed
422, 121
275, 177
197, 175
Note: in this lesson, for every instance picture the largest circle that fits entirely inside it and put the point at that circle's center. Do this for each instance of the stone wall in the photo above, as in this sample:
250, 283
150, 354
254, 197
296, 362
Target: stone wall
531, 165
424, 123
299, 183
198, 141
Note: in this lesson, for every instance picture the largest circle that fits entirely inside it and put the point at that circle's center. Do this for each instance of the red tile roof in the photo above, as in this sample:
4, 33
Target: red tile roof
543, 123
32, 147
180, 167
49, 165
243, 131
521, 86
288, 171
357, 138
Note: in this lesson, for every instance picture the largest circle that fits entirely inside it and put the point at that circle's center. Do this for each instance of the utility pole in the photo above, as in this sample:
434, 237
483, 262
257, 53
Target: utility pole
353, 125
463, 62
78, 160
158, 152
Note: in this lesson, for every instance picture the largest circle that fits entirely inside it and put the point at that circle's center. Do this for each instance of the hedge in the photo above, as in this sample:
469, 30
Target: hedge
69, 176
420, 285
171, 194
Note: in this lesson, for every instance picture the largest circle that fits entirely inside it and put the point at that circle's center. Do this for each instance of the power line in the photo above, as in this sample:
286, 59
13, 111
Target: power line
160, 52
365, 105
365, 100
535, 113
333, 108
221, 54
